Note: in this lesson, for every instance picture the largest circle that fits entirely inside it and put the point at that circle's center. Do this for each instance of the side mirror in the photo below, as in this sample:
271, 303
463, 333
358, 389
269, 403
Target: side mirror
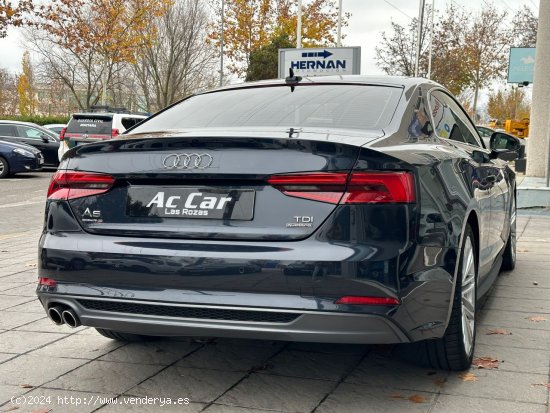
501, 140
45, 138
505, 147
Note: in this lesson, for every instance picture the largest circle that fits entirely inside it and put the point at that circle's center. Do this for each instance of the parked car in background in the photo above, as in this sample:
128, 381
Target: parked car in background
344, 209
45, 140
56, 127
96, 126
16, 158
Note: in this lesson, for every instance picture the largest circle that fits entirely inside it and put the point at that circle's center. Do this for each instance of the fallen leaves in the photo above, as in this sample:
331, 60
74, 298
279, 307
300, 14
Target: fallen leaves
537, 319
485, 363
415, 398
439, 382
522, 250
547, 385
499, 331
468, 377
26, 386
30, 265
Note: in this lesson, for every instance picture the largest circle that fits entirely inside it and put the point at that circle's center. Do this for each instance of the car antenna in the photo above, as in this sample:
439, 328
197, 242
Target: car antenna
292, 79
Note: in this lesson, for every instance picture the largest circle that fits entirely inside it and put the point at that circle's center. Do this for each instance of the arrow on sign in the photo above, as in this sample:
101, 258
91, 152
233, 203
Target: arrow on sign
324, 54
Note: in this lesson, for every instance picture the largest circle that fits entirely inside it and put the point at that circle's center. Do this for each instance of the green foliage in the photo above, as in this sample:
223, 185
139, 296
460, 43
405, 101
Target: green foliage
39, 120
264, 61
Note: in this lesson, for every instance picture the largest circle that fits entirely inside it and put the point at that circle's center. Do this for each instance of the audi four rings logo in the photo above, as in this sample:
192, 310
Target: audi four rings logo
188, 161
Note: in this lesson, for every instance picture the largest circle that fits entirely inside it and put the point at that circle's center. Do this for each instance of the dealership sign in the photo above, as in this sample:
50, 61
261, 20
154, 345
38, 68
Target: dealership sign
521, 64
320, 62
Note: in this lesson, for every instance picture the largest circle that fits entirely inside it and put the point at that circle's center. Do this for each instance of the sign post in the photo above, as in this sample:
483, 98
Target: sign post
324, 61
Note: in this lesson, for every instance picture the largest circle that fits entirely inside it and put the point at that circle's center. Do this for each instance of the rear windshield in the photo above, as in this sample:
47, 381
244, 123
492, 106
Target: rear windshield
90, 125
313, 106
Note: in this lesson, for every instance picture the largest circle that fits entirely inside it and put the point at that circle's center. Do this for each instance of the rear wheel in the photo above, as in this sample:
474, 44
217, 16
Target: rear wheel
4, 168
454, 351
509, 257
127, 337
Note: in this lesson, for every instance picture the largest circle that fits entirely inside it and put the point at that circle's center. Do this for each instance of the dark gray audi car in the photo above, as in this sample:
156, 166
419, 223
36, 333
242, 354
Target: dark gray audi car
335, 209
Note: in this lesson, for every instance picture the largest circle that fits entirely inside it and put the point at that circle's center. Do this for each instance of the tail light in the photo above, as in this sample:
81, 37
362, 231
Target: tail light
48, 282
114, 133
362, 300
71, 184
356, 188
62, 134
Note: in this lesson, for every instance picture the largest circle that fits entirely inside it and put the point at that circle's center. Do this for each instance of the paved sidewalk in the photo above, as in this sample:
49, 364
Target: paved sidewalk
55, 363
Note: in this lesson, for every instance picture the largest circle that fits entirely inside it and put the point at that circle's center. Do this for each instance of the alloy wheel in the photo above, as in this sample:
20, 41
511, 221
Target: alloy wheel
468, 296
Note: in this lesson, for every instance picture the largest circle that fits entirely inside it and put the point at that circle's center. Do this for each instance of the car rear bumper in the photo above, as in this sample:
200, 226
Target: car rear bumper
270, 324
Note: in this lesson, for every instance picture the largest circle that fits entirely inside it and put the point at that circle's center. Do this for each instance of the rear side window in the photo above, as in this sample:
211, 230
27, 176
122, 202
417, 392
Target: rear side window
341, 106
7, 130
90, 125
448, 122
129, 122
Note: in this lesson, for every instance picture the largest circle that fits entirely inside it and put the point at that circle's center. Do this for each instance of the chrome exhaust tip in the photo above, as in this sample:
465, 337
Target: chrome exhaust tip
55, 314
70, 318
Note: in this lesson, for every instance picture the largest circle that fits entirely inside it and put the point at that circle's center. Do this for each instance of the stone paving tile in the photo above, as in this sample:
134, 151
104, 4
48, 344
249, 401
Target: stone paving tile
516, 359
123, 406
6, 356
520, 337
459, 404
9, 285
23, 341
311, 365
104, 377
10, 320
7, 301
162, 352
530, 293
59, 401
25, 290
7, 392
518, 304
35, 370
380, 370
503, 385
286, 394
355, 398
223, 408
199, 385
79, 346
32, 306
510, 319
229, 357
46, 325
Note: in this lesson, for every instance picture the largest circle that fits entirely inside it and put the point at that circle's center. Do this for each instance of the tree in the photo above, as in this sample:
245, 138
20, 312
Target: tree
13, 14
487, 42
8, 93
264, 61
508, 104
469, 51
25, 87
525, 26
179, 61
251, 24
85, 42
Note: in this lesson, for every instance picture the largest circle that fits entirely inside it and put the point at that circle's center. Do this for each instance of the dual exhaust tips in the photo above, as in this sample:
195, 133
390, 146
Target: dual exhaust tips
62, 314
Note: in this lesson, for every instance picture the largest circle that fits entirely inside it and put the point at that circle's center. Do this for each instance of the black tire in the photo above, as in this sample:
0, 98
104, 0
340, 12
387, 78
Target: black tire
126, 337
449, 352
509, 256
4, 167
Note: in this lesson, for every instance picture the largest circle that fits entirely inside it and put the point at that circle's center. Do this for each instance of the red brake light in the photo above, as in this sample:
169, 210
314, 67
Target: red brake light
357, 188
71, 184
62, 134
48, 282
360, 300
114, 133
321, 186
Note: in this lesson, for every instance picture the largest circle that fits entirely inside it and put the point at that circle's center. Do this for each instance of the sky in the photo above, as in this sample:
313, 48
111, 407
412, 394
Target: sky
369, 18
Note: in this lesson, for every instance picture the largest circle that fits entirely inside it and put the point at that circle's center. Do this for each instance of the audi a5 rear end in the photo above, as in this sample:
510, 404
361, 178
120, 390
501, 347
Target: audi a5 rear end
275, 210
